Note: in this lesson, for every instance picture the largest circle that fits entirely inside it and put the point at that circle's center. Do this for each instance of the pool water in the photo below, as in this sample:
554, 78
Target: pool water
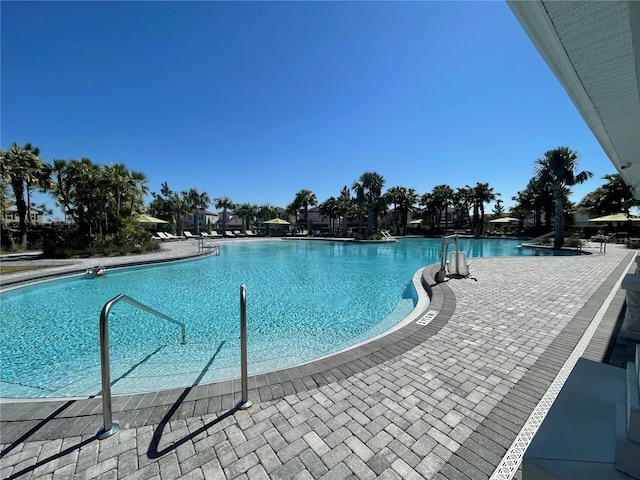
305, 299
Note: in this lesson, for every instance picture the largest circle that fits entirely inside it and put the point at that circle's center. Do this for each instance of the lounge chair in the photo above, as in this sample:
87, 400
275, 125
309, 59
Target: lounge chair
215, 235
249, 233
171, 236
156, 236
188, 235
229, 234
458, 265
238, 233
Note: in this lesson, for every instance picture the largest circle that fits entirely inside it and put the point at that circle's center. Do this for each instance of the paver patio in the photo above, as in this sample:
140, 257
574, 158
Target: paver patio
444, 400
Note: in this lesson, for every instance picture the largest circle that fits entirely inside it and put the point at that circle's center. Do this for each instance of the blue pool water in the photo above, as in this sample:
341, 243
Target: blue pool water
305, 299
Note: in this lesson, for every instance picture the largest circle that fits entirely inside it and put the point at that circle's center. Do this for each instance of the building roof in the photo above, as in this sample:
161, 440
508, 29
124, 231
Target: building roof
593, 48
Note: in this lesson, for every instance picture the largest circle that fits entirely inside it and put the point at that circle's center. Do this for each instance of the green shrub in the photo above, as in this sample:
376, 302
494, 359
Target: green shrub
69, 242
572, 242
633, 243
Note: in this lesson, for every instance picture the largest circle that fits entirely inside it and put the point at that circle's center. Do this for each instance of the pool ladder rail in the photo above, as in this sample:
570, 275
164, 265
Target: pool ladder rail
109, 428
208, 244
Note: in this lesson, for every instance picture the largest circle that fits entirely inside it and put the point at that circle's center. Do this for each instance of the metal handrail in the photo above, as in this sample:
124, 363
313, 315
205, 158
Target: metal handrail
109, 428
245, 401
444, 248
207, 243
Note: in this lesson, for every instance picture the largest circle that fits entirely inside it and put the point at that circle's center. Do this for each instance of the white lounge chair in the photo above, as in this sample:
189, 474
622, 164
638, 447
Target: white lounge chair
171, 236
229, 234
249, 233
215, 234
458, 264
189, 235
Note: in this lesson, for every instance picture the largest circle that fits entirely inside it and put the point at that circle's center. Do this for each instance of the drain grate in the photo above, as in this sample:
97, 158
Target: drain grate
512, 459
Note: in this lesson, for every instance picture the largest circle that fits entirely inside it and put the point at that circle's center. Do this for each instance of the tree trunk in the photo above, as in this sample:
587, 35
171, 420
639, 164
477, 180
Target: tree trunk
18, 190
558, 237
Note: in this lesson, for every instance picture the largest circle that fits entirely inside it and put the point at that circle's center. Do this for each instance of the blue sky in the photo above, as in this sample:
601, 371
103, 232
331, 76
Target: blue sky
258, 100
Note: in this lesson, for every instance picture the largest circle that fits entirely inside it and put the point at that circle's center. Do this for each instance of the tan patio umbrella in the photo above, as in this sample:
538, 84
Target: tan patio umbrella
616, 217
147, 220
504, 220
142, 218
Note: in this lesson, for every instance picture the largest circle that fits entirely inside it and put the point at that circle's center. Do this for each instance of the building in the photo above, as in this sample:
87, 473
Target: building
593, 48
204, 217
11, 215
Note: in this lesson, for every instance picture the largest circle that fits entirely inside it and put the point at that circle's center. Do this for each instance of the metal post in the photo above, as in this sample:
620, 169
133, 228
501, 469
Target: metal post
245, 402
108, 428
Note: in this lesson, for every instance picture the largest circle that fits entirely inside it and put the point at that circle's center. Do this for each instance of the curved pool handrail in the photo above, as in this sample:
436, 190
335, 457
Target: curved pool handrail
110, 428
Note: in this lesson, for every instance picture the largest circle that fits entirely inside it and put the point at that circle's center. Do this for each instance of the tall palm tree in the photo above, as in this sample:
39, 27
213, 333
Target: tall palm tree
117, 174
247, 212
368, 189
394, 196
195, 201
482, 193
429, 208
329, 209
178, 208
558, 170
344, 208
225, 204
463, 202
267, 212
407, 204
303, 199
443, 198
22, 166
614, 196
138, 191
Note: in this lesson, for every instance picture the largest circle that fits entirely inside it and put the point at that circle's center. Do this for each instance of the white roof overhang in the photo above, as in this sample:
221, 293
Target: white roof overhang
593, 48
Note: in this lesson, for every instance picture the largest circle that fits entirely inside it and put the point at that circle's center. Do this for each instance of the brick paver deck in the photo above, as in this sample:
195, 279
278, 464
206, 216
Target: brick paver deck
445, 400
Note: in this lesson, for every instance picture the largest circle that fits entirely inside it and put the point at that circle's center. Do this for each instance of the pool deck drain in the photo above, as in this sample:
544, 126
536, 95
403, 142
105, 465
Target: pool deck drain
442, 400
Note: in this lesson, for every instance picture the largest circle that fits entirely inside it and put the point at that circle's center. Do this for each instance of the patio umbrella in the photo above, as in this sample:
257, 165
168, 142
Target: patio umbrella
616, 217
276, 221
504, 220
146, 219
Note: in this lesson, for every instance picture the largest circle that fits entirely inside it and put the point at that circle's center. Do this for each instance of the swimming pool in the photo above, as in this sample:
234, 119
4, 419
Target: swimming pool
305, 299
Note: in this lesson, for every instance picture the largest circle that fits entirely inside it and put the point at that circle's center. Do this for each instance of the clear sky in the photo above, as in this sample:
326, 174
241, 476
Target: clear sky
258, 100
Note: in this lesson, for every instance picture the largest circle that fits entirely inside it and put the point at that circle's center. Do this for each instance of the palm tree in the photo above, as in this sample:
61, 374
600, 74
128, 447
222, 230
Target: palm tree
267, 212
22, 166
558, 170
303, 199
225, 204
463, 202
195, 201
344, 208
442, 196
178, 207
429, 208
482, 193
368, 189
615, 196
407, 204
394, 196
329, 209
246, 211
117, 175
138, 191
